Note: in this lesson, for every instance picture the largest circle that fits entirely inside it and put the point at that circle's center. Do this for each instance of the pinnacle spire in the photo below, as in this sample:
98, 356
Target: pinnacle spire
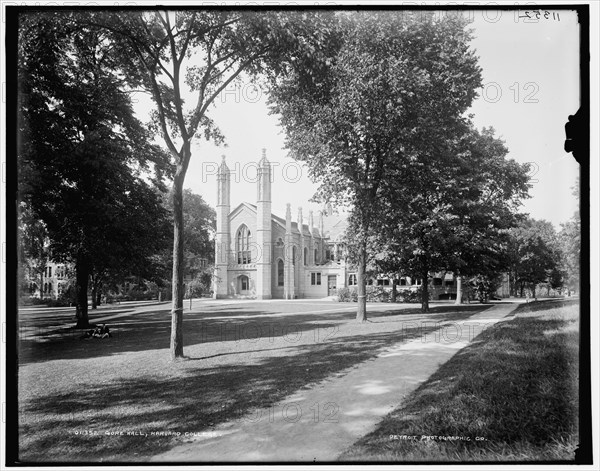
223, 167
264, 156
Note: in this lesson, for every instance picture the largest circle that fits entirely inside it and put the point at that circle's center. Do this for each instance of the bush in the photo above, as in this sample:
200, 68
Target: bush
140, 295
379, 294
38, 301
411, 296
374, 294
347, 295
59, 302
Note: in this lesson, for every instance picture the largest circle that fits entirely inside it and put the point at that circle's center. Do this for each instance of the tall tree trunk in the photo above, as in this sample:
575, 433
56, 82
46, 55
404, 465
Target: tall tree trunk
361, 311
425, 291
458, 290
81, 288
94, 296
41, 285
394, 289
177, 304
512, 286
94, 291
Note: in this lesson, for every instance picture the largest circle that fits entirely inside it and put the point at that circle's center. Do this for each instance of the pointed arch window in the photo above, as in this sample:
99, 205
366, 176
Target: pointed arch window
243, 241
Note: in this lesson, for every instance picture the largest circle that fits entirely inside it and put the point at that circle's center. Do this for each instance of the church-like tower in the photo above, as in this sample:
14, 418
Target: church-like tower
311, 243
222, 236
300, 257
263, 229
289, 263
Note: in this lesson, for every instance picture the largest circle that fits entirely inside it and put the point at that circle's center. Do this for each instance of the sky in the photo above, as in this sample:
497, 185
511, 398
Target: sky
531, 85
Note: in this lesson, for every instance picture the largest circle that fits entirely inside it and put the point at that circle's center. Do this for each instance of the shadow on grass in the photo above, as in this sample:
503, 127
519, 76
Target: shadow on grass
151, 330
515, 387
545, 304
187, 398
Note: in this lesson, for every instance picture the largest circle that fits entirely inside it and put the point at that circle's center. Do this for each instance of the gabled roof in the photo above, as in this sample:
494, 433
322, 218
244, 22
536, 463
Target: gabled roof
239, 207
334, 225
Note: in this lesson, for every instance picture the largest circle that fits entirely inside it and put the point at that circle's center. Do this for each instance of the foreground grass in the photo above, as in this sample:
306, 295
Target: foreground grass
510, 396
106, 400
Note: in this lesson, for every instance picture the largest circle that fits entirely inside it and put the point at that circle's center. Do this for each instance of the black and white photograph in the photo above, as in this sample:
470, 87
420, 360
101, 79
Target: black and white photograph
300, 234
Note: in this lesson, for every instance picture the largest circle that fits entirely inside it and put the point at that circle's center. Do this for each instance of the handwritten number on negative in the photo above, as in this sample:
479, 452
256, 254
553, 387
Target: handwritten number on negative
528, 15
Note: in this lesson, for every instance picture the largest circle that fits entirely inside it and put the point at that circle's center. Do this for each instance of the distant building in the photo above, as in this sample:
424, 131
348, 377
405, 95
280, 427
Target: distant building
51, 284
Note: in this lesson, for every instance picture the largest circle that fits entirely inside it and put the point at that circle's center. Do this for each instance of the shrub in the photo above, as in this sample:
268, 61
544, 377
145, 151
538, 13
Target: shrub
139, 295
379, 294
409, 296
347, 295
374, 294
61, 301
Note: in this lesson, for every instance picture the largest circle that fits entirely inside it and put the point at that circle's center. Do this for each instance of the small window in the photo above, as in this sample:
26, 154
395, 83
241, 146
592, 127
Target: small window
352, 280
280, 273
244, 283
294, 255
402, 281
315, 259
305, 255
49, 272
437, 282
315, 279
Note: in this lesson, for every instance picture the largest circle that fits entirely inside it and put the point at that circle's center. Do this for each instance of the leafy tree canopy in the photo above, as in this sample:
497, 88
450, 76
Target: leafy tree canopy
83, 157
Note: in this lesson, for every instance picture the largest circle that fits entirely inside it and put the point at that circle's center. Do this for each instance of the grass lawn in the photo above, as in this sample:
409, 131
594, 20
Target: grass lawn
106, 400
515, 388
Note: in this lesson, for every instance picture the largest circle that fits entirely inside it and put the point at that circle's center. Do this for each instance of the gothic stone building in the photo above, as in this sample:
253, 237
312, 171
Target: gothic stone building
263, 256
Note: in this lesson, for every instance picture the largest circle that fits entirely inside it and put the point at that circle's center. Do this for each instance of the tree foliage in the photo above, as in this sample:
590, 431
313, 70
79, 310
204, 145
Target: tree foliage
199, 228
449, 211
34, 253
382, 95
569, 242
82, 153
570, 249
204, 51
533, 254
